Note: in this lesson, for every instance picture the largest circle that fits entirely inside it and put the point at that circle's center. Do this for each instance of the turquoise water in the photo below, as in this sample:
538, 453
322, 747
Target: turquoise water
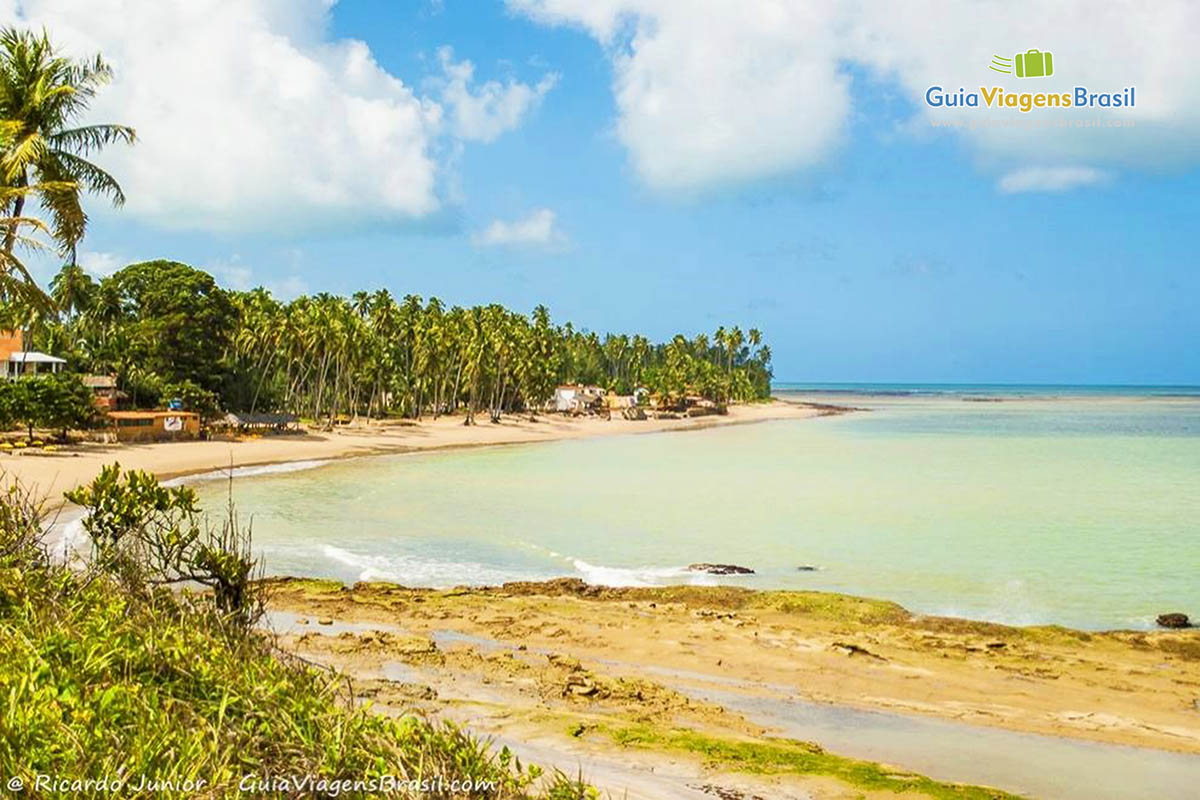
1065, 506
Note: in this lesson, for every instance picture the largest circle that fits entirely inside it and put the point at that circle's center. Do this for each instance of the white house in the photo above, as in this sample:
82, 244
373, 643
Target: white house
574, 397
30, 362
16, 362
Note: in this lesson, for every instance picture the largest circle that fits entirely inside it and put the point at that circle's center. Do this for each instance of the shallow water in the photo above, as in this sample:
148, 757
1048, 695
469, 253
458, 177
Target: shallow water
1042, 508
1027, 764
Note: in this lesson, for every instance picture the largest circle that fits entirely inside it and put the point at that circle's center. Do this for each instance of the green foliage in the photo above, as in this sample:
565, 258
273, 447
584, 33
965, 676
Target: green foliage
174, 322
98, 681
58, 401
152, 535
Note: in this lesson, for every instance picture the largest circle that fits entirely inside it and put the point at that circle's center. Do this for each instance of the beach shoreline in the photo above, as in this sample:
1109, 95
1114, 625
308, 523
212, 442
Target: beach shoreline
51, 474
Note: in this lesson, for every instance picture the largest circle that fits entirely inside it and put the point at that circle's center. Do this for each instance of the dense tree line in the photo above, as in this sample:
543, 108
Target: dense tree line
168, 330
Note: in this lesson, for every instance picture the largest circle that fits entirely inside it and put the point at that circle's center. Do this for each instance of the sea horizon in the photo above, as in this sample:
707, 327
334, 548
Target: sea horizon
962, 387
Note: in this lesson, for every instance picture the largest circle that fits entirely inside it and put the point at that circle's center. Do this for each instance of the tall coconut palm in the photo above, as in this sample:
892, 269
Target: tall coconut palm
43, 94
73, 290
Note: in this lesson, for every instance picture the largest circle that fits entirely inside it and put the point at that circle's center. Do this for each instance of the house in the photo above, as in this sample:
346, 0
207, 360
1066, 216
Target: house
17, 362
622, 401
574, 398
104, 391
154, 426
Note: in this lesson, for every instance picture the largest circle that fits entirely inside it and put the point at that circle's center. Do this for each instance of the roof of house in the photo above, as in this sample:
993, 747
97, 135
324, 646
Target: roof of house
34, 357
99, 381
155, 414
246, 418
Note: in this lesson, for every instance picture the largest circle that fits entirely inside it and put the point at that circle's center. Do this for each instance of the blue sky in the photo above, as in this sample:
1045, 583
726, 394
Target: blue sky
883, 252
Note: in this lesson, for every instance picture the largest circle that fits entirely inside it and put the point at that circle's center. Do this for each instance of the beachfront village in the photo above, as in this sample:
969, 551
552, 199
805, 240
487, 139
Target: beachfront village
50, 408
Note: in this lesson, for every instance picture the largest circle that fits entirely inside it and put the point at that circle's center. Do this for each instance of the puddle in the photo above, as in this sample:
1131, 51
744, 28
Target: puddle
286, 622
1024, 763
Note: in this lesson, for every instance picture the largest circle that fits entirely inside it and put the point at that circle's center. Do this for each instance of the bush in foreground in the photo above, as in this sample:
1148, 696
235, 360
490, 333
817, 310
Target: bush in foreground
154, 687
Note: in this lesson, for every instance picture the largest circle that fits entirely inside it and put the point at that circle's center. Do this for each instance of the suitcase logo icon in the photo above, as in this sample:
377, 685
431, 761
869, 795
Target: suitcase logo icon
1030, 64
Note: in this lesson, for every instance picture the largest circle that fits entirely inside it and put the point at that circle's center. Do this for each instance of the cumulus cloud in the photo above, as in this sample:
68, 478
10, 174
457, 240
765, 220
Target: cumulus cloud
537, 230
1050, 179
250, 117
100, 264
482, 113
712, 91
709, 91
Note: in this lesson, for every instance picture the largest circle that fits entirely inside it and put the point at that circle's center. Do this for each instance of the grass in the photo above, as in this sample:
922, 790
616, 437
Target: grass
98, 681
788, 756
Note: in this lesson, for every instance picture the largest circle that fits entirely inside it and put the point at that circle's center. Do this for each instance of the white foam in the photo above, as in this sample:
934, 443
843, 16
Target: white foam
639, 576
225, 473
65, 537
411, 570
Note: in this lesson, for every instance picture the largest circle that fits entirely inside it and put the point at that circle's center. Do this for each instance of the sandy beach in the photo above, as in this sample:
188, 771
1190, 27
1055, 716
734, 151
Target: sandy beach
57, 472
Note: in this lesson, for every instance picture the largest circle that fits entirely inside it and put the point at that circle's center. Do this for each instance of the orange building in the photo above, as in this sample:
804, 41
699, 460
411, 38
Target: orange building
155, 426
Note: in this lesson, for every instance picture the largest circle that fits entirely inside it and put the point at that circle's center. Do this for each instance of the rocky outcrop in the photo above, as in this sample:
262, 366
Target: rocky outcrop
720, 569
1174, 620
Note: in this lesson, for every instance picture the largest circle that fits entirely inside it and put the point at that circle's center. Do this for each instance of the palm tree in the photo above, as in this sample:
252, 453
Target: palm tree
73, 290
42, 94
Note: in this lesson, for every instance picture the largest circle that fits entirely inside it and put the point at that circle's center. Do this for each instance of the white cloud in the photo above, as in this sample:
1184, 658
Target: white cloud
709, 91
714, 91
484, 112
1050, 179
289, 288
100, 264
232, 274
250, 117
537, 229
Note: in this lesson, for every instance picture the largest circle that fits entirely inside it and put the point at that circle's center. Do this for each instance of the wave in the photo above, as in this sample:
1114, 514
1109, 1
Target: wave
66, 538
411, 570
639, 576
225, 473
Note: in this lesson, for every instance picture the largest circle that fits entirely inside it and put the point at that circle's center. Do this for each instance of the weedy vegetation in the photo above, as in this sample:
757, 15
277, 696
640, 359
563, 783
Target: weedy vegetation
144, 664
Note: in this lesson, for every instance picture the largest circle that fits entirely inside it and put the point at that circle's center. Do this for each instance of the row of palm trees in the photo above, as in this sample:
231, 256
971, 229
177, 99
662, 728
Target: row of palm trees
373, 354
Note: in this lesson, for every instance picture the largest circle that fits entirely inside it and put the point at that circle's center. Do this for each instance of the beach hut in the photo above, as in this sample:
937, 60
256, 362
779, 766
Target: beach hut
576, 398
154, 426
247, 422
104, 391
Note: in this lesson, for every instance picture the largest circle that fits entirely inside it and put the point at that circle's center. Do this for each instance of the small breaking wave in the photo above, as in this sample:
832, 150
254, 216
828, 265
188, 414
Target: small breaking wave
640, 576
225, 473
412, 570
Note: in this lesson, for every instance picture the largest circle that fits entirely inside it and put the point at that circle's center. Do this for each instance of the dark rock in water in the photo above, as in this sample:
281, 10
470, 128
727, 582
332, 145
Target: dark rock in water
720, 569
806, 568
1175, 620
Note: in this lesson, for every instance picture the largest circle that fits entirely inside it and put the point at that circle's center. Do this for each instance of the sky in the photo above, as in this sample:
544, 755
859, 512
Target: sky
666, 166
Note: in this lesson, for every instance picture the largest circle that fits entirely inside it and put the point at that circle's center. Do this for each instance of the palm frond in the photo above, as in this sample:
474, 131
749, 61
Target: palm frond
91, 137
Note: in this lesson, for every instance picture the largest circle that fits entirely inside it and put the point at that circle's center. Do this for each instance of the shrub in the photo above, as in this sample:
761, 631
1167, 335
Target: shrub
101, 678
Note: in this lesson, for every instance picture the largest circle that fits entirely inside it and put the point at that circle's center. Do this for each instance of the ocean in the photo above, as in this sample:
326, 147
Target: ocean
1077, 506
